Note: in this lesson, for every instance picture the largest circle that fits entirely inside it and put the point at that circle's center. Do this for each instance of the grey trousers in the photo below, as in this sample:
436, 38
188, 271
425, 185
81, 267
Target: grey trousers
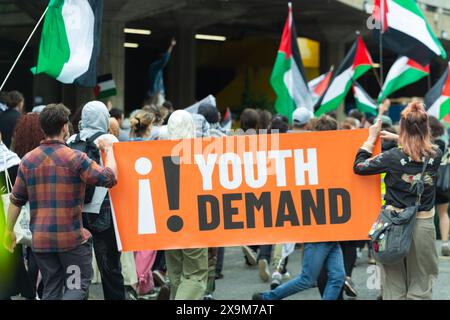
413, 278
66, 275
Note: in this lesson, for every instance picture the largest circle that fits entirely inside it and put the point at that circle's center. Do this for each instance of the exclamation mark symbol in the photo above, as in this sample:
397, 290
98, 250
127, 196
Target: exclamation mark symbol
172, 176
146, 215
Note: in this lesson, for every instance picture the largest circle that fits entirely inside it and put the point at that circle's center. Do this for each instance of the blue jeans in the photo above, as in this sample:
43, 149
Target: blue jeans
315, 256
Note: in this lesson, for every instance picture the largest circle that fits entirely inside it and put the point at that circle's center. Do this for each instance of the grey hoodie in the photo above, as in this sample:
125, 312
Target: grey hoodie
94, 119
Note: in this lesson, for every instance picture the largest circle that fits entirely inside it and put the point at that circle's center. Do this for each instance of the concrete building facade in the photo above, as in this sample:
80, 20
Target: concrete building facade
252, 29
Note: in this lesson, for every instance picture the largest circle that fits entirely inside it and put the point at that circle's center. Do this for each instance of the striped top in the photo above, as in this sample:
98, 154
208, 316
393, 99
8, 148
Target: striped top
53, 179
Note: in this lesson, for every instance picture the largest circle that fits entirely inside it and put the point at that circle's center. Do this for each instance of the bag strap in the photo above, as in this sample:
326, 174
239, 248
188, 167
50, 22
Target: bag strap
77, 138
94, 137
420, 183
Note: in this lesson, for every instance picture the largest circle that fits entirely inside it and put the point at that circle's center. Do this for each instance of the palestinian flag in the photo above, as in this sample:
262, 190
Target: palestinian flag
437, 100
227, 121
406, 31
355, 64
288, 77
403, 72
364, 102
318, 85
70, 41
106, 87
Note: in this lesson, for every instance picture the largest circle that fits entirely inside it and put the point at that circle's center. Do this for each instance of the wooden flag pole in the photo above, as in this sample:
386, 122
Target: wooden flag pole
23, 49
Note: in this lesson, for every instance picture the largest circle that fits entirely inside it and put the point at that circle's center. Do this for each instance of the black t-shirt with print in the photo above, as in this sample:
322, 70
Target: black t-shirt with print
401, 176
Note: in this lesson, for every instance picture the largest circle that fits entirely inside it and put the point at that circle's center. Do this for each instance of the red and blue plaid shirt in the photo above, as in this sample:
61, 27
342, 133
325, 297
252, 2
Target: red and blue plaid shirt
53, 179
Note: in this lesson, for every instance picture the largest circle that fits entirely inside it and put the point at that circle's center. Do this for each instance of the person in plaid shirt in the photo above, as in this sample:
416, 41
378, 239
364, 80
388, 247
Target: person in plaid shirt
53, 178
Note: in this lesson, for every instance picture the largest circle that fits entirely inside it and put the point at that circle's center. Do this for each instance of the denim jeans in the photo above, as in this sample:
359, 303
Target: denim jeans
315, 255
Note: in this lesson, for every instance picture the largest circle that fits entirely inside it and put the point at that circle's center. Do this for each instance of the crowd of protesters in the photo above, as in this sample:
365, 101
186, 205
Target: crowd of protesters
52, 174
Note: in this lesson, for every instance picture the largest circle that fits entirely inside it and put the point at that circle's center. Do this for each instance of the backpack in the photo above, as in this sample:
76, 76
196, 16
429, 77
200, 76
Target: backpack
90, 149
392, 232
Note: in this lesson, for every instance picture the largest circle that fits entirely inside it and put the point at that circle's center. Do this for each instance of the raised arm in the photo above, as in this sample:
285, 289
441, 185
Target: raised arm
364, 163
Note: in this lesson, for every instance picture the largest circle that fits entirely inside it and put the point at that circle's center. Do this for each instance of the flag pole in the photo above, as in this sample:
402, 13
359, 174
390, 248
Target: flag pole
23, 49
377, 77
381, 41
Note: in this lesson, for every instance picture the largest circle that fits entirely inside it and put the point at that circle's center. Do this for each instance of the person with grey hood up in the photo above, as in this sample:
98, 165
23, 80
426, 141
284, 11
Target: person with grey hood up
97, 214
187, 268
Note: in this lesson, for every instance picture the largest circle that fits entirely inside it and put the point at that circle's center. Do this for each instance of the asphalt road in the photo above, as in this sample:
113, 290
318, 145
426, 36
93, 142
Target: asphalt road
241, 281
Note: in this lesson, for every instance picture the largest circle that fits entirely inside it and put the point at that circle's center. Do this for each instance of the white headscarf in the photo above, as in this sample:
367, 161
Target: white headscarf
181, 125
94, 119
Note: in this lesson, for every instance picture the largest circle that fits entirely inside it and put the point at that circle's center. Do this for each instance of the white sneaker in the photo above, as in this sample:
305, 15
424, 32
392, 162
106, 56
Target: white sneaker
276, 280
286, 275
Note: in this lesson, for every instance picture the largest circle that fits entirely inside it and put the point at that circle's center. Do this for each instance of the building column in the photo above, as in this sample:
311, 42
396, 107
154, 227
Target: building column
112, 58
182, 69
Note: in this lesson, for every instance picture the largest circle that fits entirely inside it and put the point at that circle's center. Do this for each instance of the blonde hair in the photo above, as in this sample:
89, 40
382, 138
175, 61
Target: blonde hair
141, 124
414, 133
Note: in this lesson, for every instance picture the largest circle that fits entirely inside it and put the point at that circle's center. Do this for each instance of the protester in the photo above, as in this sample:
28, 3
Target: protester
156, 79
212, 116
14, 279
27, 136
114, 128
141, 128
59, 244
442, 200
264, 118
350, 124
315, 256
300, 119
159, 113
279, 124
358, 115
15, 102
120, 117
249, 125
97, 213
249, 121
349, 248
187, 268
413, 276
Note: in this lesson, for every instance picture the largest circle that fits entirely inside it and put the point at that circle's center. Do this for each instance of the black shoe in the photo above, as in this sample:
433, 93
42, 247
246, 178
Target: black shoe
257, 296
130, 293
164, 293
219, 276
349, 287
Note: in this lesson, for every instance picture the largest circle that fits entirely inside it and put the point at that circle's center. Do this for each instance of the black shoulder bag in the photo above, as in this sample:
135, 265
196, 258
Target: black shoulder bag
392, 232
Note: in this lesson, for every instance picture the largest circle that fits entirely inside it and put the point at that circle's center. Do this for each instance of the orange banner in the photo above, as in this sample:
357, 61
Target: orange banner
242, 190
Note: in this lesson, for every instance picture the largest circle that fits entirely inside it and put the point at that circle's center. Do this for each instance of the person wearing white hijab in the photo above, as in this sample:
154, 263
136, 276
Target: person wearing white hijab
187, 268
